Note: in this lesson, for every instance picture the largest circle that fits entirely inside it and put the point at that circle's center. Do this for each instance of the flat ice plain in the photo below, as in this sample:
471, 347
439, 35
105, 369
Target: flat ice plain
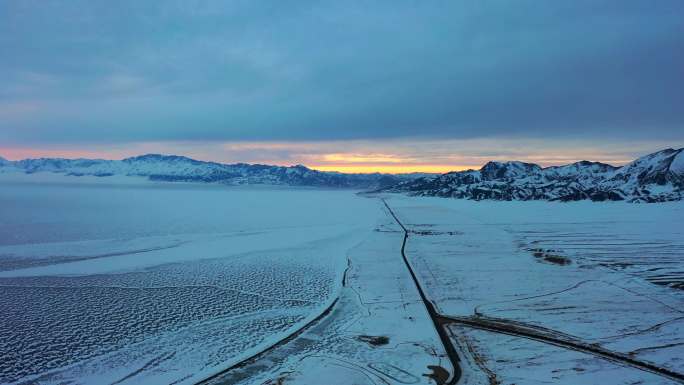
144, 283
162, 283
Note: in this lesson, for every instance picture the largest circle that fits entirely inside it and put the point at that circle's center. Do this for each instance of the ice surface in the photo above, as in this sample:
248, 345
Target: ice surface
158, 284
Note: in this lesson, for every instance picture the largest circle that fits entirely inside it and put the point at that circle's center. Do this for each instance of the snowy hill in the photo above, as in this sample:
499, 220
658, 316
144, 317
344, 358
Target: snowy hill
657, 177
179, 168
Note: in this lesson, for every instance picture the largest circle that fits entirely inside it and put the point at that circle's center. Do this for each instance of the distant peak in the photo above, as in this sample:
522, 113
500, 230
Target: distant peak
158, 157
589, 163
508, 163
665, 152
144, 157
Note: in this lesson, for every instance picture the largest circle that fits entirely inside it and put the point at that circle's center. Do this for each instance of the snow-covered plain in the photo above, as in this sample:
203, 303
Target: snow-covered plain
607, 275
158, 283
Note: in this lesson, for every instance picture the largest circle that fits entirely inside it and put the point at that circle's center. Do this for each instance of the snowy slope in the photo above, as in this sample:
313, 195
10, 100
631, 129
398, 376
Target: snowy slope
656, 177
650, 178
179, 168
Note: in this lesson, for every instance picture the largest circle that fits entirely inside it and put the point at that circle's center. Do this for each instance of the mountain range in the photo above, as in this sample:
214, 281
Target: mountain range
657, 177
172, 168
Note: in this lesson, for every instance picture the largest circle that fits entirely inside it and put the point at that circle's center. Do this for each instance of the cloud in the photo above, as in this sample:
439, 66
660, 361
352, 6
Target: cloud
117, 72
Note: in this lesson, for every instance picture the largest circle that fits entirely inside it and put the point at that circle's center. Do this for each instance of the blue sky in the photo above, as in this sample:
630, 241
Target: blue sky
341, 77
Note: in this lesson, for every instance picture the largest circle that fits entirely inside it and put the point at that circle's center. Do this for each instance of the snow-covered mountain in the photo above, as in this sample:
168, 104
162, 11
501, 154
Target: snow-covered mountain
179, 168
657, 177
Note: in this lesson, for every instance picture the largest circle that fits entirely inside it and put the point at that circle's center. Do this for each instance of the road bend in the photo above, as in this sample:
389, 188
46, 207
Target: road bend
503, 326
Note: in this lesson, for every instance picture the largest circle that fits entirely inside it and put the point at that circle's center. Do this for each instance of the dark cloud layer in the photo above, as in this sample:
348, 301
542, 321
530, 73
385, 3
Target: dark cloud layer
125, 71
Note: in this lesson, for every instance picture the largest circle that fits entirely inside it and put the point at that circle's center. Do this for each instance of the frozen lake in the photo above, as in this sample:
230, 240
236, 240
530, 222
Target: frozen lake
108, 283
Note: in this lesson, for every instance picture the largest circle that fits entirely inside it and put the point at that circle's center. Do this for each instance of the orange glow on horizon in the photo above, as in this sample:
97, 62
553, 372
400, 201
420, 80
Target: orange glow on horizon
359, 156
363, 158
391, 169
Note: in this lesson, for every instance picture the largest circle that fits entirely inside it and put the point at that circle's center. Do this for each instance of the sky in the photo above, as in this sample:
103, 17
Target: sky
361, 86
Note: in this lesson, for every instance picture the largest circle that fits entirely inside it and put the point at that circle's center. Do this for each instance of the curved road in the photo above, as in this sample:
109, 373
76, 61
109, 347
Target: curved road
498, 325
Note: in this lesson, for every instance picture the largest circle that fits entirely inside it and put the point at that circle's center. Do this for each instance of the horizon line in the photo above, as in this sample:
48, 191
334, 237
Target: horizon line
395, 168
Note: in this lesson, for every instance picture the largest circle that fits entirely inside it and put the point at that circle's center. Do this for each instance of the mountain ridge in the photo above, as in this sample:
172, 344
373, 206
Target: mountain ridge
175, 168
656, 177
